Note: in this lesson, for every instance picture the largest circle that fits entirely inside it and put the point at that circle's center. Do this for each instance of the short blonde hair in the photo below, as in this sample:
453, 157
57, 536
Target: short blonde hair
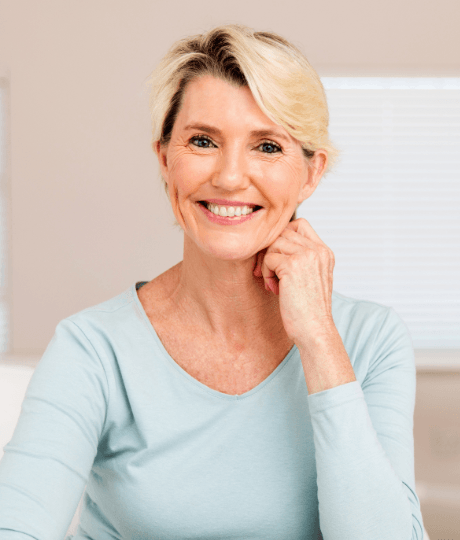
283, 83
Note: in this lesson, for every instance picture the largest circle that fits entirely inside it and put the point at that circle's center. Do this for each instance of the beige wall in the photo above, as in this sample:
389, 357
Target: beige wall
88, 216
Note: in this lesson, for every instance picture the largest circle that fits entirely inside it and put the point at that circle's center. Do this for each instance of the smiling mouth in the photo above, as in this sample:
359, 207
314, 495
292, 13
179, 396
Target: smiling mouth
205, 204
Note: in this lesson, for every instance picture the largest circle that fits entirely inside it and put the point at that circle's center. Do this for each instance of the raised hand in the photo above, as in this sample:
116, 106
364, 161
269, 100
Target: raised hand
299, 267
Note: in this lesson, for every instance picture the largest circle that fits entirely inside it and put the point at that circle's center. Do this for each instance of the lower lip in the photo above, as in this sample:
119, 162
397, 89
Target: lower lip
225, 220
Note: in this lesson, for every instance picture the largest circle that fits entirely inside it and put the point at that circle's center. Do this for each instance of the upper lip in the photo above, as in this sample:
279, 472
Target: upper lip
226, 202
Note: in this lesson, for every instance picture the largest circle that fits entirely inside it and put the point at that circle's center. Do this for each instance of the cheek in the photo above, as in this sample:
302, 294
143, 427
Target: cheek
283, 186
190, 171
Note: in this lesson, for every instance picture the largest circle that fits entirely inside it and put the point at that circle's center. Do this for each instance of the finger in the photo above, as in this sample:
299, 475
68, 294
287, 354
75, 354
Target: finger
257, 265
260, 259
294, 236
282, 246
287, 246
303, 227
270, 278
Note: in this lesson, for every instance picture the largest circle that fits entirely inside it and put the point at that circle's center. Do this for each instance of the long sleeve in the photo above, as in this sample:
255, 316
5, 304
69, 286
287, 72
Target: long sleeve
47, 462
364, 447
109, 408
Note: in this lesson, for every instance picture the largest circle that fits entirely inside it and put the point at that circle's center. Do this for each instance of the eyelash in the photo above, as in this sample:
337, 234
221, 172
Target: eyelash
206, 138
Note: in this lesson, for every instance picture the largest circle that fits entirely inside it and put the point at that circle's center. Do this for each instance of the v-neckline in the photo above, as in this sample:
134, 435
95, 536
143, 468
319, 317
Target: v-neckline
202, 386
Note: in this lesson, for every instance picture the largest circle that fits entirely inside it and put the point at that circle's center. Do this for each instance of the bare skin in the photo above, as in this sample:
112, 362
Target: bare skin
231, 369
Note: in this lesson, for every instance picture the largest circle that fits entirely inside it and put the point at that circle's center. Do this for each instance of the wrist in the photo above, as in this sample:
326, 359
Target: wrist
318, 335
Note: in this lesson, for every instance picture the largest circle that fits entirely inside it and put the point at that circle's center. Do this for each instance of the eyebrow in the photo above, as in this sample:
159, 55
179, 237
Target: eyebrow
254, 133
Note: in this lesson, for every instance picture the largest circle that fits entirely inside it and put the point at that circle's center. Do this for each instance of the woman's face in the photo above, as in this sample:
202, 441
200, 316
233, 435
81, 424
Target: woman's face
225, 160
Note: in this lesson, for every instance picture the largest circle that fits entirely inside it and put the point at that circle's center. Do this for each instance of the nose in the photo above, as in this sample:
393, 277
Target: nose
232, 173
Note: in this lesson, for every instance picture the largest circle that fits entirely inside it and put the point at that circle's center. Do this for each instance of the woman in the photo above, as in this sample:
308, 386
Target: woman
236, 395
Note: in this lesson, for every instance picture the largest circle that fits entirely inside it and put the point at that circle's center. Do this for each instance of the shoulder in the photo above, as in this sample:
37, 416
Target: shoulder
357, 309
373, 333
105, 321
110, 306
368, 319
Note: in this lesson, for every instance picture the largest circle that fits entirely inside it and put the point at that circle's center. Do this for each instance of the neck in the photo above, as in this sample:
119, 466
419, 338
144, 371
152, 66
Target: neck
224, 297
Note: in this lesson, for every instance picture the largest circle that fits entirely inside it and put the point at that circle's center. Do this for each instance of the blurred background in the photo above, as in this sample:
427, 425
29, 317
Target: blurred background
83, 213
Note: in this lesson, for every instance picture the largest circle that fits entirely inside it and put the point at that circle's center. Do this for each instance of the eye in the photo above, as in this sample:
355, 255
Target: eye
205, 139
273, 145
201, 138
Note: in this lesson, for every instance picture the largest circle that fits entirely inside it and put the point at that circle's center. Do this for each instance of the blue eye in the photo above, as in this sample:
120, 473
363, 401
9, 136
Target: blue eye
201, 138
273, 145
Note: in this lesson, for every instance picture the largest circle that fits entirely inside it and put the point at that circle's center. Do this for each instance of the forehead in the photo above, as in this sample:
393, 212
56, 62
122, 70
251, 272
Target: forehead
210, 93
211, 100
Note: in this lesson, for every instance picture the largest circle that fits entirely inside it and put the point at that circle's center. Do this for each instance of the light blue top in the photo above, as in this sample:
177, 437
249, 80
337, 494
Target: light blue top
165, 457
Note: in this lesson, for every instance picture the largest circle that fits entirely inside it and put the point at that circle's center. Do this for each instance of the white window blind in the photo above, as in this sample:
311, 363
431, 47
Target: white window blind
390, 208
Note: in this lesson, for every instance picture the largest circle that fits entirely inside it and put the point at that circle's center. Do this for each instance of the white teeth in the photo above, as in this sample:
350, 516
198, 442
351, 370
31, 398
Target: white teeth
229, 211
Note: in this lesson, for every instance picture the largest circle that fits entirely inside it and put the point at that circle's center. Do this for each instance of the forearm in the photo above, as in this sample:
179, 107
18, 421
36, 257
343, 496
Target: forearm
360, 496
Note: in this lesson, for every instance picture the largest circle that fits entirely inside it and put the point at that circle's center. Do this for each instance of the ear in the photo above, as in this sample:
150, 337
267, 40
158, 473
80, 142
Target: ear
161, 152
314, 170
